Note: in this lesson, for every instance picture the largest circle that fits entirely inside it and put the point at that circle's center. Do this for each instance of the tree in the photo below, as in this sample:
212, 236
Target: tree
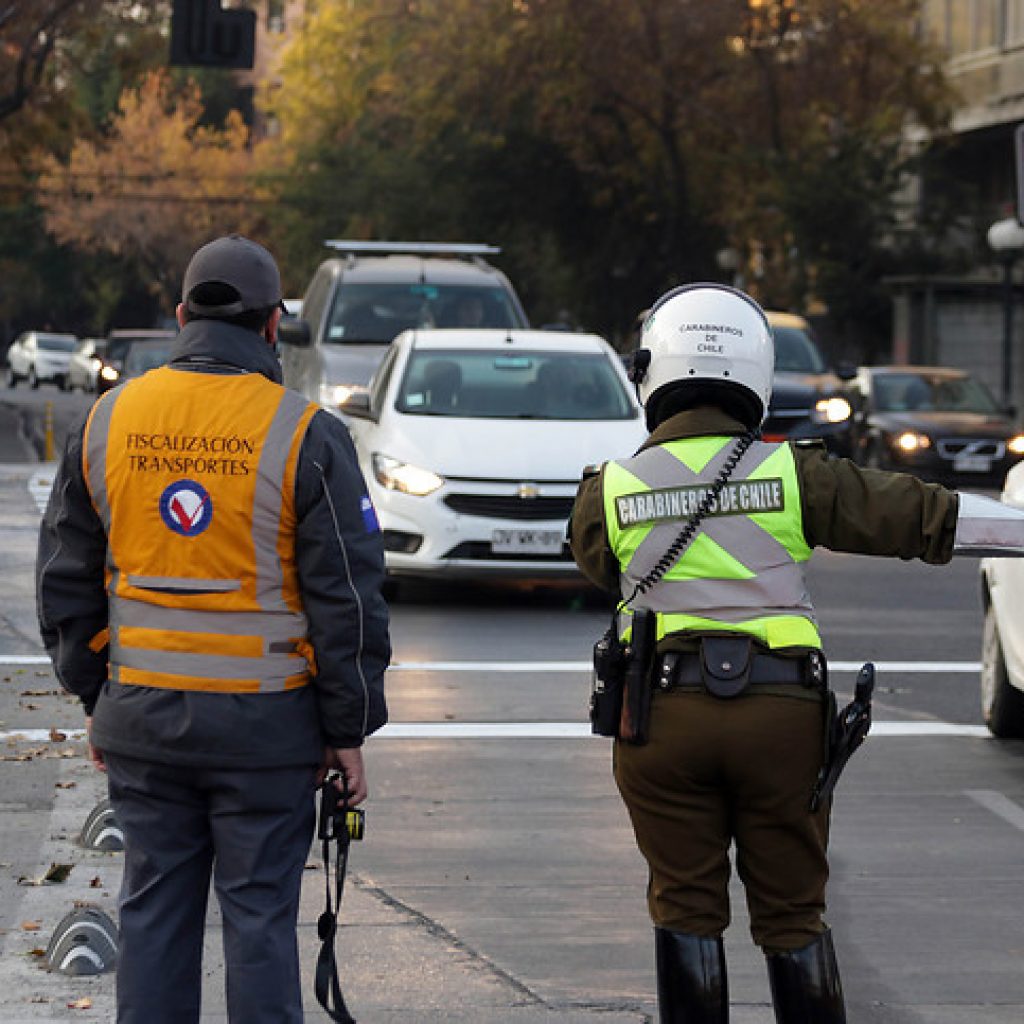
157, 187
614, 148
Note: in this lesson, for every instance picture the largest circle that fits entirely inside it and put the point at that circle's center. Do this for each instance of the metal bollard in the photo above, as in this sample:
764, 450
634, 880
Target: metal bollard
84, 942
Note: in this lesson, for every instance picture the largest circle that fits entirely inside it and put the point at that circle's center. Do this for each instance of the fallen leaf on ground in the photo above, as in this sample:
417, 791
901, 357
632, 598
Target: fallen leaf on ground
65, 785
30, 926
56, 736
85, 1003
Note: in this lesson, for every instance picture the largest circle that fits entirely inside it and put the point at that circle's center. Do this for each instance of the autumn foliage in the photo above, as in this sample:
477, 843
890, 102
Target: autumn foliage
157, 186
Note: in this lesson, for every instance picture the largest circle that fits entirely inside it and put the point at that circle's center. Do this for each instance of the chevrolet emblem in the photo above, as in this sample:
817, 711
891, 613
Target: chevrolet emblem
528, 491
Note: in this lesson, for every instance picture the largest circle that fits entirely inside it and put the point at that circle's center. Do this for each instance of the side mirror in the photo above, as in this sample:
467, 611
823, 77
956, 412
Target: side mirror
357, 404
846, 371
294, 332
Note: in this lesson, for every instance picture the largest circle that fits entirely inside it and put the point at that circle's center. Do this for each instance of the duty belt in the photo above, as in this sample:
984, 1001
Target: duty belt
726, 669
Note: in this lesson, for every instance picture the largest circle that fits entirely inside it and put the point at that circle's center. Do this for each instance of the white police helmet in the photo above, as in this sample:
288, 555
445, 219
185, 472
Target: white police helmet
707, 334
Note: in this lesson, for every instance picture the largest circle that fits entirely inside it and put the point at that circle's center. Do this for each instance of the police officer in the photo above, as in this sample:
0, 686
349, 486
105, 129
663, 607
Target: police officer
736, 728
209, 584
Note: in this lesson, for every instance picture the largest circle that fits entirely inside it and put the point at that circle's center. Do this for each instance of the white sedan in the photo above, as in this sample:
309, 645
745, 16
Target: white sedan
473, 443
1002, 655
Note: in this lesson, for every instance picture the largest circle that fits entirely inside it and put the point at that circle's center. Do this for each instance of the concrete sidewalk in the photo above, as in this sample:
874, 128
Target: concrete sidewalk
397, 966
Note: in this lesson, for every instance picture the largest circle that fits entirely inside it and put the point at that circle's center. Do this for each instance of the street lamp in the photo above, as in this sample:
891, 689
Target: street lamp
1006, 239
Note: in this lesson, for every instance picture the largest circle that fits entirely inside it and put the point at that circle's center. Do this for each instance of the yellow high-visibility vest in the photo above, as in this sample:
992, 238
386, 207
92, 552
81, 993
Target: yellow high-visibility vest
193, 476
742, 572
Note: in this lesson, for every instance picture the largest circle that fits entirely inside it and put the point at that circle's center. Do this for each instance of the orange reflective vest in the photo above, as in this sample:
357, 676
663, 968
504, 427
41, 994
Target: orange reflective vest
193, 476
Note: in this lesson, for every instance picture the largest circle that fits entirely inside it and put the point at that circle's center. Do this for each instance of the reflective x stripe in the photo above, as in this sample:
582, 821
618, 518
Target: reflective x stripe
776, 585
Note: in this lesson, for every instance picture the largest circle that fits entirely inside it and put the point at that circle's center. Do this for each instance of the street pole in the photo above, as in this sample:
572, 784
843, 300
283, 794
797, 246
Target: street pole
1006, 239
1007, 330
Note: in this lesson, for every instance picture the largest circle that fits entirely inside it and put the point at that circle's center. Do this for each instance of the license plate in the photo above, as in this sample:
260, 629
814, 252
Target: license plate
972, 464
526, 542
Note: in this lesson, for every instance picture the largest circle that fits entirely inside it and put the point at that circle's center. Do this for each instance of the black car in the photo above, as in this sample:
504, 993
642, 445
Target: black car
939, 423
808, 400
111, 372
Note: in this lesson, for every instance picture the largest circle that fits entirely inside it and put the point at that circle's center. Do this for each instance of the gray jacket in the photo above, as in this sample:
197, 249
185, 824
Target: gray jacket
340, 563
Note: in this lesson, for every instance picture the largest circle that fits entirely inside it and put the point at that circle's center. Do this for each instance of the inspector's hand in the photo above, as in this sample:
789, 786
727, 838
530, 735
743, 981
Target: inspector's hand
350, 763
95, 754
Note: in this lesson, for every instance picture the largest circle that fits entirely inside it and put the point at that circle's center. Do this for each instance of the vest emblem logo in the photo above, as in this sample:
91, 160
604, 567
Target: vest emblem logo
186, 508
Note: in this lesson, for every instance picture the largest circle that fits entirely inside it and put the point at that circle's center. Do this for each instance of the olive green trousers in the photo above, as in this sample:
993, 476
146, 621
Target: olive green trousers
721, 772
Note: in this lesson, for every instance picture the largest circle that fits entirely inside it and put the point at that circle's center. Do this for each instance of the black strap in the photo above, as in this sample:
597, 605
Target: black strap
326, 983
686, 534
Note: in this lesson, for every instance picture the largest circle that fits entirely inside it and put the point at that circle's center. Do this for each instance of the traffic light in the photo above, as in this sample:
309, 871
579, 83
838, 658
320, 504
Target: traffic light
203, 33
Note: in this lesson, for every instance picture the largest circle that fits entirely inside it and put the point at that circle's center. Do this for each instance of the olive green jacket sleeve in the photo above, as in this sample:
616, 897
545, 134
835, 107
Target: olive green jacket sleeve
845, 508
588, 537
872, 512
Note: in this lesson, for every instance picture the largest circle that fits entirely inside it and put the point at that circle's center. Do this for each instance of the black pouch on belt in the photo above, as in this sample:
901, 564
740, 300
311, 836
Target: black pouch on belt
725, 664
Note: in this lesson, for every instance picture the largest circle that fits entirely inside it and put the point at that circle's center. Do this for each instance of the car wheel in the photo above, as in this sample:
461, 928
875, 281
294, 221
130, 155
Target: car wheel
33, 380
12, 378
1002, 705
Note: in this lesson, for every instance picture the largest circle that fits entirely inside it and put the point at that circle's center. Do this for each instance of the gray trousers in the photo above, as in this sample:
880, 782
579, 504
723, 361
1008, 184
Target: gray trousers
251, 831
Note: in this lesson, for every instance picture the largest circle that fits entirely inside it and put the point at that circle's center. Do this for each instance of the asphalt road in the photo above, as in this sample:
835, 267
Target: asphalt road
499, 881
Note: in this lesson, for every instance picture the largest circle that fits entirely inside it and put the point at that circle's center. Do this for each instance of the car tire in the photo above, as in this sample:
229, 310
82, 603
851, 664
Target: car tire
12, 378
33, 380
1002, 705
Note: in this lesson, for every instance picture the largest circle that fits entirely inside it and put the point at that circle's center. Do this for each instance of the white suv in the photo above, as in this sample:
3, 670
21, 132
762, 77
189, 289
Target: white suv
39, 358
358, 302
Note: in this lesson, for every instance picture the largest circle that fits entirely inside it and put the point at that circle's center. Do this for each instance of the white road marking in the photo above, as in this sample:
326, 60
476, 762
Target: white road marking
1000, 805
535, 731
910, 667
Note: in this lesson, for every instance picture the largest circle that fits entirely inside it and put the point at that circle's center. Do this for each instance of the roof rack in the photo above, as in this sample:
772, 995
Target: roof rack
347, 245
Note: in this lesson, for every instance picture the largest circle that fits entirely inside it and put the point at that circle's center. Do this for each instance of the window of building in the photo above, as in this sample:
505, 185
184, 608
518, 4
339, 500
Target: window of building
275, 15
970, 27
1014, 23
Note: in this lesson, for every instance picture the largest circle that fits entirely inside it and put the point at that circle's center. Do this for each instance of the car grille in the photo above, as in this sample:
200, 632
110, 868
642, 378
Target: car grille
953, 447
510, 506
481, 551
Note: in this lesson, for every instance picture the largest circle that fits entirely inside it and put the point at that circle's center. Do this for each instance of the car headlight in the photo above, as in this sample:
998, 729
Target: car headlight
333, 396
911, 441
400, 476
1016, 444
97, 364
109, 373
831, 410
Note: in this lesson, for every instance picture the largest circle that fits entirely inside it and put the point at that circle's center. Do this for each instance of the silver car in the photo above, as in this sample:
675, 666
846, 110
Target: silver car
86, 362
357, 303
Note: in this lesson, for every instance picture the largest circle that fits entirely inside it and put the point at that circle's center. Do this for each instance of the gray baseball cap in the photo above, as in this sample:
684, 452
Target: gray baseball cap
242, 265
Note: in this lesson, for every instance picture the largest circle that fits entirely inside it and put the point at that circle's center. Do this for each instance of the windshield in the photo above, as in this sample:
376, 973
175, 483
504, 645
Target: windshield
910, 392
55, 343
794, 351
140, 358
379, 312
520, 385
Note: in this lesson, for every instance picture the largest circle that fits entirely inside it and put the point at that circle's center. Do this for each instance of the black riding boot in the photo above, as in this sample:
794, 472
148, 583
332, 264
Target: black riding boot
805, 984
692, 984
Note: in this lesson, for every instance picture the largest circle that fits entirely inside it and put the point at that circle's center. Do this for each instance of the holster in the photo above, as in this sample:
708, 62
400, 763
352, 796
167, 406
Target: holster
634, 725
